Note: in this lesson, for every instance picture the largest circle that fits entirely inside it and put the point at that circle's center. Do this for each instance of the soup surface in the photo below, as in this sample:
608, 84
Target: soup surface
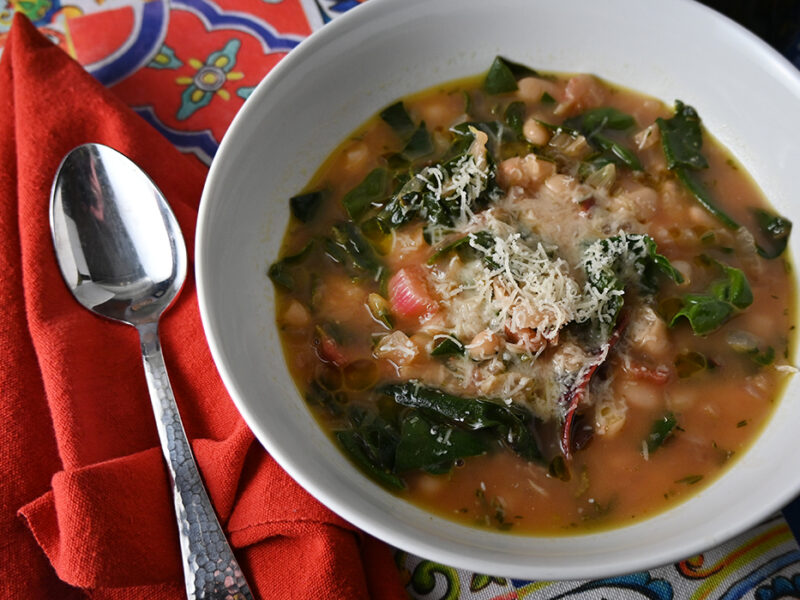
537, 303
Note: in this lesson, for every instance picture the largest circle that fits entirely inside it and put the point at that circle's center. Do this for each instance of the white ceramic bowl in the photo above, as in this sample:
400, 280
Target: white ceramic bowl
749, 98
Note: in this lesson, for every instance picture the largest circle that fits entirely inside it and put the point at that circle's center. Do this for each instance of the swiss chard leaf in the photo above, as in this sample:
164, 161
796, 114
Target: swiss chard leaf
435, 193
286, 271
705, 313
682, 138
371, 442
654, 264
509, 424
305, 206
598, 119
708, 312
616, 262
371, 190
514, 117
347, 246
434, 447
682, 143
419, 144
483, 239
775, 230
397, 117
503, 75
448, 346
733, 288
692, 183
660, 432
594, 125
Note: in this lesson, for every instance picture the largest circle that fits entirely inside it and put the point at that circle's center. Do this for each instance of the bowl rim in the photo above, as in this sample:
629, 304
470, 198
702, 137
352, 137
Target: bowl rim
342, 25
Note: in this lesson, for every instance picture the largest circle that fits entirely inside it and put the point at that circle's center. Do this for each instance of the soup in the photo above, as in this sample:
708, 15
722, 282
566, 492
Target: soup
536, 302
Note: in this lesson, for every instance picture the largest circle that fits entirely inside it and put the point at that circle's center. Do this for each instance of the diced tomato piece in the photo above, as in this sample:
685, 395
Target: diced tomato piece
409, 294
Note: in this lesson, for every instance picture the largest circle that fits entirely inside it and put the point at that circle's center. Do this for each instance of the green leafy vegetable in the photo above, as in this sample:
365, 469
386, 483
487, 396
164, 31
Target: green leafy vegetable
419, 144
514, 116
347, 246
286, 271
704, 198
615, 262
594, 125
509, 423
372, 190
448, 346
689, 363
682, 138
775, 229
708, 312
503, 75
396, 116
704, 313
434, 447
371, 443
483, 239
304, 206
435, 193
660, 431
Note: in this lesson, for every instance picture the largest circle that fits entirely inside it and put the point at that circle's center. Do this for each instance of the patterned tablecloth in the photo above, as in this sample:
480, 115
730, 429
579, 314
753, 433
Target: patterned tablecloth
187, 66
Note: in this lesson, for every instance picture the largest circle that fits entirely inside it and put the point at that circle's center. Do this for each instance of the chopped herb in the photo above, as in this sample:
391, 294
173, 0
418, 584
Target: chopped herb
742, 423
749, 344
690, 479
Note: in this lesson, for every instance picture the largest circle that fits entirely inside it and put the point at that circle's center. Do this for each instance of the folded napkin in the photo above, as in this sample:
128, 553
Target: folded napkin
86, 506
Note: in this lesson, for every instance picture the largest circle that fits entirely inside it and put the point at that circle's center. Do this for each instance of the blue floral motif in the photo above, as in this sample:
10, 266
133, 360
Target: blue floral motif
640, 583
780, 587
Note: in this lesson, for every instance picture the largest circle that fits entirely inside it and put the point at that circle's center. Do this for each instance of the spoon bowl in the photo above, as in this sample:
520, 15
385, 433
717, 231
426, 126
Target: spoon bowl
118, 245
123, 257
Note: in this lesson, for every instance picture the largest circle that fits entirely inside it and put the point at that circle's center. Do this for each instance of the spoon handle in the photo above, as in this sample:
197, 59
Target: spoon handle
209, 566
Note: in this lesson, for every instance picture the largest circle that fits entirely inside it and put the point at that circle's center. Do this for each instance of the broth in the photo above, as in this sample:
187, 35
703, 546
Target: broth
535, 303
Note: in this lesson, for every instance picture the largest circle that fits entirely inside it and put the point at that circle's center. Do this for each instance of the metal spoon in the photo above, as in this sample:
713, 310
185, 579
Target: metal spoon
122, 256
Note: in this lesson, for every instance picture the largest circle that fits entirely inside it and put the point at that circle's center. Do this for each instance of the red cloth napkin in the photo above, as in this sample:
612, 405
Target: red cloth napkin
86, 507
